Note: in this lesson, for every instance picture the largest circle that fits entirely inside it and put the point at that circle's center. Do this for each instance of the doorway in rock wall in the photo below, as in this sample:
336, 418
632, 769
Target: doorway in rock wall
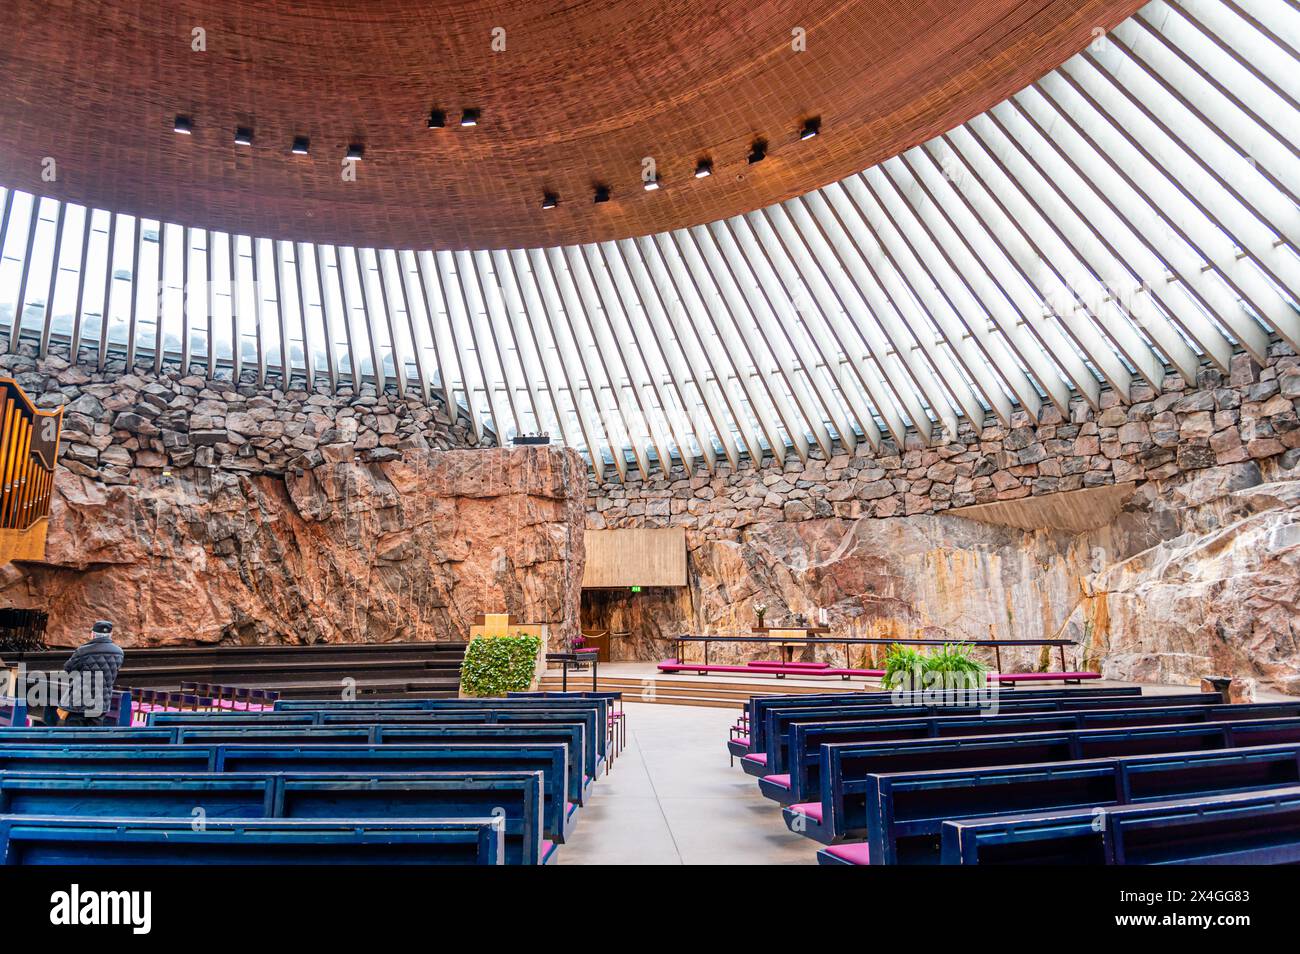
634, 624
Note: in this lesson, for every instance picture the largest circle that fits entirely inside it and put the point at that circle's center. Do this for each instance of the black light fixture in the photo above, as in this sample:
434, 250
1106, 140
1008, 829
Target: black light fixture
602, 193
356, 151
550, 200
704, 168
811, 127
469, 117
437, 119
757, 151
183, 125
301, 145
243, 136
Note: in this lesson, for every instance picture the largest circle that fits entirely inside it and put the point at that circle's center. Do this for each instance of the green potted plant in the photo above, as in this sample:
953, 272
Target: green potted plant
948, 666
496, 665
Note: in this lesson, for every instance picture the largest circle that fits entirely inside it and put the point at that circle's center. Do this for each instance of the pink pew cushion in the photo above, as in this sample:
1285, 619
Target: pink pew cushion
796, 665
759, 757
769, 669
857, 854
782, 780
742, 739
812, 809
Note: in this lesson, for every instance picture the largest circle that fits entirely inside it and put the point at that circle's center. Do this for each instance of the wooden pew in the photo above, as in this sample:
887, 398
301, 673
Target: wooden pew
335, 712
43, 840
617, 718
571, 735
550, 760
806, 739
599, 701
905, 811
1246, 828
516, 796
757, 705
778, 720
842, 809
591, 749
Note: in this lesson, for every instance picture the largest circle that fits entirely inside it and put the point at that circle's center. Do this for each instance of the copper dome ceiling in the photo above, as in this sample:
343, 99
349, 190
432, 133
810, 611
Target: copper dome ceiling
582, 92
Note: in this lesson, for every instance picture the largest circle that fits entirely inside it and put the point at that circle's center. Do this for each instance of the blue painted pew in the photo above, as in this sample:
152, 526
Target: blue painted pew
166, 719
571, 734
598, 701
515, 796
842, 809
757, 706
171, 735
594, 736
551, 760
905, 810
1247, 828
805, 739
42, 840
593, 743
774, 760
1259, 829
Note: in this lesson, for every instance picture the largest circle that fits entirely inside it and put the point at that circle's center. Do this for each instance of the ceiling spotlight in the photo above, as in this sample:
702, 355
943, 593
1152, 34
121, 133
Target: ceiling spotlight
437, 119
704, 168
183, 125
356, 151
550, 200
811, 127
757, 151
602, 193
469, 117
243, 136
300, 145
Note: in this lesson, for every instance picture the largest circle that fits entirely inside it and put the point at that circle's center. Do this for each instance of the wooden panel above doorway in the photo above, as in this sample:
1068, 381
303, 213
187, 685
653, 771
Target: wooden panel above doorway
620, 558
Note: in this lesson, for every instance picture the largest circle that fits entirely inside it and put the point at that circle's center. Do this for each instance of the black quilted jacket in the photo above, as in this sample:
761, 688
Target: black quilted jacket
100, 655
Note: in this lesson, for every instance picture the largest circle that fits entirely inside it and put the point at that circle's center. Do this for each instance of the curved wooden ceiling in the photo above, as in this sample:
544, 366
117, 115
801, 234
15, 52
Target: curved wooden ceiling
583, 91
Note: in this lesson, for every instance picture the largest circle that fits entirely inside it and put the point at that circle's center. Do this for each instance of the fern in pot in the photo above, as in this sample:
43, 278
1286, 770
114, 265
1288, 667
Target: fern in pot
949, 666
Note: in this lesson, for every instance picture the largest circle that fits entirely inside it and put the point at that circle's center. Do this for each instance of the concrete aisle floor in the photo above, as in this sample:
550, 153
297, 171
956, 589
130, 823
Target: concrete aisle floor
673, 799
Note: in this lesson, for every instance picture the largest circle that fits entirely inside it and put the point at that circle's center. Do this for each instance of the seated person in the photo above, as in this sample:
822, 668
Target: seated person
94, 664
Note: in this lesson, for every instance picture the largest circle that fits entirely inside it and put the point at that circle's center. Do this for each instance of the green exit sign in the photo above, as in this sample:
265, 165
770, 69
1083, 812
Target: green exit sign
635, 589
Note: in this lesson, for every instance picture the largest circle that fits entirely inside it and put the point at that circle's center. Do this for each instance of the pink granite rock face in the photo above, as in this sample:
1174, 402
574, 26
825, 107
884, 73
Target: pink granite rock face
1198, 577
915, 576
1222, 597
407, 549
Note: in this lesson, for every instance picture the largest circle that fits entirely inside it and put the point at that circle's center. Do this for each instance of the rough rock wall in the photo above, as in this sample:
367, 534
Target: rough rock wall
1249, 414
119, 427
1198, 575
917, 576
405, 549
1222, 596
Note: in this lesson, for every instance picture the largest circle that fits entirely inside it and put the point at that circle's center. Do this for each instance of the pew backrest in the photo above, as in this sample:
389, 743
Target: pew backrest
779, 720
37, 839
846, 767
571, 734
516, 796
803, 749
1086, 835
756, 707
905, 811
551, 760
